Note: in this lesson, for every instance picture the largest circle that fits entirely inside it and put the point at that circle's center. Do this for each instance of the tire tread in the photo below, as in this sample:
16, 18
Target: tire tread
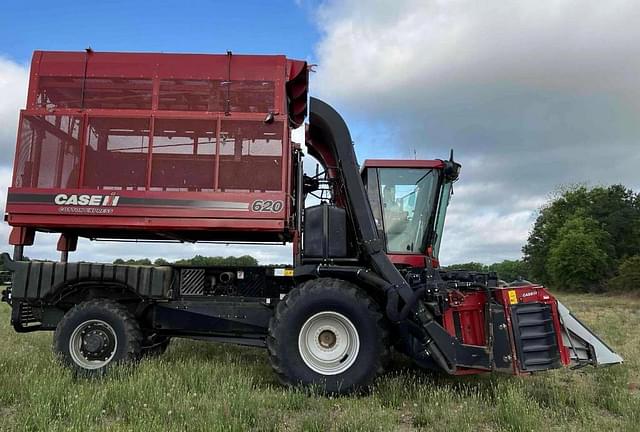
316, 286
133, 332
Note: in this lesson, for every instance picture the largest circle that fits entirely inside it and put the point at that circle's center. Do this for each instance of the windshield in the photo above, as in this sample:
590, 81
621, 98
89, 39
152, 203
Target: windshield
407, 196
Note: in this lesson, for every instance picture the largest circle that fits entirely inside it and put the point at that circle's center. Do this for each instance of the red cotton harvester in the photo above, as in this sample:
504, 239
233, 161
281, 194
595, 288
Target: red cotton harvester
188, 148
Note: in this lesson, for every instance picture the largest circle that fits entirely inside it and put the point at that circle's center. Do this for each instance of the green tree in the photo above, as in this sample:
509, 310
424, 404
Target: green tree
628, 278
470, 266
615, 210
510, 270
577, 261
199, 260
143, 261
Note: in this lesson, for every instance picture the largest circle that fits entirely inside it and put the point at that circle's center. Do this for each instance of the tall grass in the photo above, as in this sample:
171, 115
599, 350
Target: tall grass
198, 386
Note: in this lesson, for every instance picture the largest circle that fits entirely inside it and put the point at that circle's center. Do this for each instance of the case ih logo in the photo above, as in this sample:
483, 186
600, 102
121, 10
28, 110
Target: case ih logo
87, 200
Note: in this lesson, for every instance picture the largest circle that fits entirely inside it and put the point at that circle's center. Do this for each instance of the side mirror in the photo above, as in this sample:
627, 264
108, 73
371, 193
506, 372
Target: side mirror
451, 169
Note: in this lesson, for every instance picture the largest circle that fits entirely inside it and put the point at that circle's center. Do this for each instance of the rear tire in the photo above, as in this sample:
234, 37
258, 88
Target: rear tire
328, 333
96, 334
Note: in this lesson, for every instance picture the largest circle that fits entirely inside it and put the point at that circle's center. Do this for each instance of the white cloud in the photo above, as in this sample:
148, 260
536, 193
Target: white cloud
13, 94
530, 94
484, 236
378, 47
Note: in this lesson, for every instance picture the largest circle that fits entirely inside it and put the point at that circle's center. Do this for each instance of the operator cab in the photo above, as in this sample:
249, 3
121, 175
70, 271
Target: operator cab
409, 200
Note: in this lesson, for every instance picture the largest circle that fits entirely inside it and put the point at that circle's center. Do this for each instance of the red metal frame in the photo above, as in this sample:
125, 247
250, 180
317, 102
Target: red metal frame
142, 211
158, 66
408, 259
471, 307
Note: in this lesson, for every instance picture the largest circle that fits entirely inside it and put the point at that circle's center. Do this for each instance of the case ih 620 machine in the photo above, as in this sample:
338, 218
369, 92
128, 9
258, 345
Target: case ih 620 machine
177, 147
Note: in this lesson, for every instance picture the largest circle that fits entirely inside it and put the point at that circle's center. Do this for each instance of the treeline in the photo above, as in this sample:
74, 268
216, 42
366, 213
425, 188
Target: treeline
198, 260
587, 240
584, 239
507, 270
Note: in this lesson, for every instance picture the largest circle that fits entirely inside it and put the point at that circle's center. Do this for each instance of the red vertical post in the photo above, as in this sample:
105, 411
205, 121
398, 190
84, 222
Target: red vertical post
83, 147
216, 173
286, 166
18, 145
155, 95
34, 79
37, 153
22, 236
57, 181
152, 123
67, 243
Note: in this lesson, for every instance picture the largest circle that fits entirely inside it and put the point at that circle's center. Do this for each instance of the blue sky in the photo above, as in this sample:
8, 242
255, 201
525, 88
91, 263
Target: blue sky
531, 95
189, 26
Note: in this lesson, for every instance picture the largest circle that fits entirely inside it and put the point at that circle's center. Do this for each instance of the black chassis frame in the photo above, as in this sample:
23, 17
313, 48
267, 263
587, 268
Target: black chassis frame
167, 301
229, 304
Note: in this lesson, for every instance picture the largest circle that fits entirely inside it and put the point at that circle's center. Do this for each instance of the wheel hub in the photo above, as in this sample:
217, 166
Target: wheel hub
94, 341
327, 339
328, 343
93, 344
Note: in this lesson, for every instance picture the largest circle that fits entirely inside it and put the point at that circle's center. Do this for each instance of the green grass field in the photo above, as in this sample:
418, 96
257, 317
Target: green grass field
198, 386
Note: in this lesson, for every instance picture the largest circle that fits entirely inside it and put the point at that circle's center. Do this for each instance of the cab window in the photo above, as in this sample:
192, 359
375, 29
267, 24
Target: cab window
407, 198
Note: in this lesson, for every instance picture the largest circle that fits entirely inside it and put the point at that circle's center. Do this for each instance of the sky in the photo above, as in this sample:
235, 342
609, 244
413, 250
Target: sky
532, 96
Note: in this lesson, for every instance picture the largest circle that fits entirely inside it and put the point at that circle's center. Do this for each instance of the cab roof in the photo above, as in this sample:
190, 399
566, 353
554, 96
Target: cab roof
399, 163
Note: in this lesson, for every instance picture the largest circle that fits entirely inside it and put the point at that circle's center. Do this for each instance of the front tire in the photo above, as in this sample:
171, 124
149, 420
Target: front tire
96, 334
328, 333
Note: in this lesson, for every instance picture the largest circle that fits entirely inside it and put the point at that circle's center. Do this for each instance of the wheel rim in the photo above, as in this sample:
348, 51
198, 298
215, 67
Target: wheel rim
329, 343
93, 344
